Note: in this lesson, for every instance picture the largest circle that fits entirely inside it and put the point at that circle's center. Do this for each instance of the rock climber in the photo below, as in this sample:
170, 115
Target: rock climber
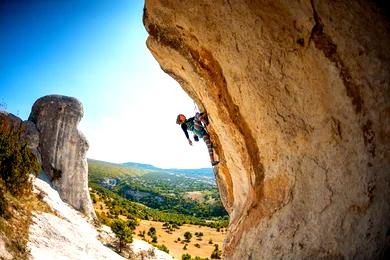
194, 124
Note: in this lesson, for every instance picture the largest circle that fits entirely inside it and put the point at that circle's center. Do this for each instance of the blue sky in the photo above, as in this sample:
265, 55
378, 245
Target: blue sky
95, 51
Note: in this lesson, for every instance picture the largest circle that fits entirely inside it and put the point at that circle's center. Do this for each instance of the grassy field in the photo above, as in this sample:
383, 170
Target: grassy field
176, 247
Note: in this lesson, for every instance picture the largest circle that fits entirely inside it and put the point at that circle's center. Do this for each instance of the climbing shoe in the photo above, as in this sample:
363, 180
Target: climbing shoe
214, 163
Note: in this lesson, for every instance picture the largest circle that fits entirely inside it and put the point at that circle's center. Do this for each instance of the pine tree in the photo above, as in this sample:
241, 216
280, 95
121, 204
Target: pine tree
122, 232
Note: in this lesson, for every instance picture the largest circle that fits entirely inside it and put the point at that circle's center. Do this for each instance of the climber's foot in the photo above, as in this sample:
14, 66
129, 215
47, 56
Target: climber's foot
213, 163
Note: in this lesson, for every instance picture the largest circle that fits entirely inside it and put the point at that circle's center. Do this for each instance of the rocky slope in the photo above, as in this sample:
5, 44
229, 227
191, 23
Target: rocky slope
299, 102
67, 234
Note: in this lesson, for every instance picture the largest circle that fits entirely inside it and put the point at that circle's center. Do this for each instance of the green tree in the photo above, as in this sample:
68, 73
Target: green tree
186, 256
132, 224
153, 234
216, 254
188, 236
122, 232
152, 231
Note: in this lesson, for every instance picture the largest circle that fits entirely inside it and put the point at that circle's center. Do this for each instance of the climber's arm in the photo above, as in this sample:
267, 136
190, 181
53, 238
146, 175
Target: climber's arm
184, 127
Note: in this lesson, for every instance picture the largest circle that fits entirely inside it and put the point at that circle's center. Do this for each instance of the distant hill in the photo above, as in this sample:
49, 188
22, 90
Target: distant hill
140, 166
99, 170
201, 171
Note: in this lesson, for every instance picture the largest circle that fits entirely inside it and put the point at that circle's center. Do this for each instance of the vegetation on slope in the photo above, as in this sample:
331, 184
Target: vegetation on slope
112, 206
167, 232
16, 199
168, 190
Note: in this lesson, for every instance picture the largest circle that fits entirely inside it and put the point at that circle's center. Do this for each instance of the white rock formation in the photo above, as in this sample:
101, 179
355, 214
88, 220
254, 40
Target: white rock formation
63, 148
68, 235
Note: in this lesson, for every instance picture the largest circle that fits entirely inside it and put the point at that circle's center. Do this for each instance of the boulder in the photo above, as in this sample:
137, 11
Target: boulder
63, 148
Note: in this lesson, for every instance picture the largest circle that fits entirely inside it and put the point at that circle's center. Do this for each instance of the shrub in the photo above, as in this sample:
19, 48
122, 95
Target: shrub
151, 252
188, 236
3, 202
132, 224
185, 257
163, 248
152, 231
216, 254
17, 162
122, 232
153, 234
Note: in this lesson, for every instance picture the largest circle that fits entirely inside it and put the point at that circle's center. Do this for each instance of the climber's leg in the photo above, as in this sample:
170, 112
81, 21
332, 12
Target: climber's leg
207, 140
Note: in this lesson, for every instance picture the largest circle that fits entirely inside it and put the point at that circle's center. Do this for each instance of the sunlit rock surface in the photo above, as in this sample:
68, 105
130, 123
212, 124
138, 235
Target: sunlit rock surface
63, 148
66, 234
298, 98
4, 254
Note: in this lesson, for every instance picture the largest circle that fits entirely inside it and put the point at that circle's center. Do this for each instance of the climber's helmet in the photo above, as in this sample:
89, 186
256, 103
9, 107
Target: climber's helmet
180, 119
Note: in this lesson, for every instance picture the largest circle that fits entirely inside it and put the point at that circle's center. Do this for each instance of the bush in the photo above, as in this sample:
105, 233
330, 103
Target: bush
3, 201
188, 236
216, 254
163, 248
153, 234
17, 162
185, 257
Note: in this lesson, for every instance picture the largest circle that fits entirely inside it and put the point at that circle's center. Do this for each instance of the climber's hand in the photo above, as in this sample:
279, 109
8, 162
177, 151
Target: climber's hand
189, 141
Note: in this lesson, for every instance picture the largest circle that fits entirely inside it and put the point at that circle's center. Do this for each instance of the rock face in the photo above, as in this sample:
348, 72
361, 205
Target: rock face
63, 148
68, 235
299, 103
65, 235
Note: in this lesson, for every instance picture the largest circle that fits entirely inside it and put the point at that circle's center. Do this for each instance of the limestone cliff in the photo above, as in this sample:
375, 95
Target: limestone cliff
63, 148
299, 102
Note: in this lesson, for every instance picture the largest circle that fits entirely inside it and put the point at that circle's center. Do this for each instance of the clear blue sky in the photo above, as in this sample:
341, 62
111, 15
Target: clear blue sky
95, 51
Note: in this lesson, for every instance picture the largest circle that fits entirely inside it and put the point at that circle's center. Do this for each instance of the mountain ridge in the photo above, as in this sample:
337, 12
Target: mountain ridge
143, 166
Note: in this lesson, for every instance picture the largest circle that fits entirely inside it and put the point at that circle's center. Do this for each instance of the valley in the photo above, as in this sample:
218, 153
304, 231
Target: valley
170, 201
